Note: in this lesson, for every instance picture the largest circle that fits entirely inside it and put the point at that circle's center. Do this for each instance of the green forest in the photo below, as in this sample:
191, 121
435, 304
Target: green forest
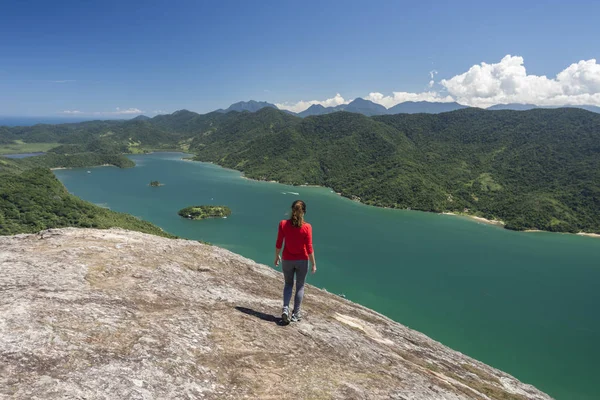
33, 199
537, 169
203, 212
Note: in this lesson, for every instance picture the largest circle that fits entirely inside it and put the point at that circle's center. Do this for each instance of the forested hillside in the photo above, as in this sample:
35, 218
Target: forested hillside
537, 169
32, 199
534, 170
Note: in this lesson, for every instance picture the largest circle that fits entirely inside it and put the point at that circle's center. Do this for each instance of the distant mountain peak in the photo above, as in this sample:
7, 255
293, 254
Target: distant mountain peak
362, 106
140, 118
250, 105
526, 107
360, 100
182, 111
424, 107
315, 109
513, 106
369, 108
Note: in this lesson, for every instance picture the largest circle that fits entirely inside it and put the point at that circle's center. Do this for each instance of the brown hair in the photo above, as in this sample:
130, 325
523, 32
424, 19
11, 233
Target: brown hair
298, 211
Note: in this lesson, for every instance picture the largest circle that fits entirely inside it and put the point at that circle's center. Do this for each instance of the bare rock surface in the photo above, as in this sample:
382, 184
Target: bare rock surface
113, 314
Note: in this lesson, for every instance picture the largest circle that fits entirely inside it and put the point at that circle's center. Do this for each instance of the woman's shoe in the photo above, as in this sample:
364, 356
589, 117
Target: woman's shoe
285, 315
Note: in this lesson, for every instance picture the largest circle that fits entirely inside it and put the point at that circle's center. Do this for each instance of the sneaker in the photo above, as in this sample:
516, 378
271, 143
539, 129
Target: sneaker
296, 317
285, 315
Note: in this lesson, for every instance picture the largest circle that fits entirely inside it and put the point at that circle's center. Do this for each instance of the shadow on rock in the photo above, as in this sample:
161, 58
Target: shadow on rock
261, 315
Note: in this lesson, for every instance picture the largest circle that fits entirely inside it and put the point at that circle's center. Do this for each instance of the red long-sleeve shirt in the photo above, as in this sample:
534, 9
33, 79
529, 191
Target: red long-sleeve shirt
298, 241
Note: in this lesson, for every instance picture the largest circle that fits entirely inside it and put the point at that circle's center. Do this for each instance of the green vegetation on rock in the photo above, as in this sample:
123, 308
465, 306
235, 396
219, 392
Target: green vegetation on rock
18, 146
537, 169
155, 184
203, 212
33, 199
79, 160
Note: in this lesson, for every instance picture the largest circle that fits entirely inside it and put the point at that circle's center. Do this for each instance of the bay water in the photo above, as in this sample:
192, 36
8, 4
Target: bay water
526, 303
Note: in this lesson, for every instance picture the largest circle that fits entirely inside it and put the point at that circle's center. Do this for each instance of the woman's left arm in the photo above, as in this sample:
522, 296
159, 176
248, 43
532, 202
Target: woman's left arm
279, 244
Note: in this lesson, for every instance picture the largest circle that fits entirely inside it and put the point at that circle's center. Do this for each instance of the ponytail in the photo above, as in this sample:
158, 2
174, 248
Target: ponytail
298, 211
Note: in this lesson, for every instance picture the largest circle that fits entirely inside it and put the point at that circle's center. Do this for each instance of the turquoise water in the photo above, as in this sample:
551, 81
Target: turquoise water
526, 303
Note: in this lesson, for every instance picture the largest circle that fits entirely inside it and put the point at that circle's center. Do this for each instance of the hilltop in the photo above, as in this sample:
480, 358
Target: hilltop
121, 314
251, 106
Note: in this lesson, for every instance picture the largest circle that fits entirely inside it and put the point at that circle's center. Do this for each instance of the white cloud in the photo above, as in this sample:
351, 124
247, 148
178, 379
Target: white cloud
159, 112
118, 111
303, 105
484, 85
432, 75
126, 111
508, 82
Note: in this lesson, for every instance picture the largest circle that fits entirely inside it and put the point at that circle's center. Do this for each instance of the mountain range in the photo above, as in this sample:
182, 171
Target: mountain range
358, 105
526, 107
369, 108
251, 106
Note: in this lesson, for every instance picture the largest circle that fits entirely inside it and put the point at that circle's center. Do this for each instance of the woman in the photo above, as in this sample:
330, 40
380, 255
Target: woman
298, 249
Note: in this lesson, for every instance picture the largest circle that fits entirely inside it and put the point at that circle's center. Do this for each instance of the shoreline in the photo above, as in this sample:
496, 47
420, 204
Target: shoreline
89, 166
251, 179
473, 218
476, 218
594, 235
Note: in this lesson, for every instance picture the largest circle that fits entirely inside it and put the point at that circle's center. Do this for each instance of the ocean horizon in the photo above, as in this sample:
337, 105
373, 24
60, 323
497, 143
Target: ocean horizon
29, 121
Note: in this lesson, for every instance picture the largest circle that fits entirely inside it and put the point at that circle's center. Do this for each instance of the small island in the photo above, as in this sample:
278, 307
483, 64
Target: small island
156, 184
203, 212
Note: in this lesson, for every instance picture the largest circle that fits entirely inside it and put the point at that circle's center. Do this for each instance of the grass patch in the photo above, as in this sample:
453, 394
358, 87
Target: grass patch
18, 147
487, 183
480, 373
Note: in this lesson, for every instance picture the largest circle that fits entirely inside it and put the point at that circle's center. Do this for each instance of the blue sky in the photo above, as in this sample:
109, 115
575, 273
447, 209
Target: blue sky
111, 58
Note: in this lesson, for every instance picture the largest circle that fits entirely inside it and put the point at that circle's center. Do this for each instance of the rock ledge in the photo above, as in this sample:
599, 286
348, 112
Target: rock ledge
114, 314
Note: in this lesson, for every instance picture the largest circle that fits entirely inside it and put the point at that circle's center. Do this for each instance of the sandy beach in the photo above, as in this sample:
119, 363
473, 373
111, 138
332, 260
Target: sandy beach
596, 235
479, 219
94, 166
